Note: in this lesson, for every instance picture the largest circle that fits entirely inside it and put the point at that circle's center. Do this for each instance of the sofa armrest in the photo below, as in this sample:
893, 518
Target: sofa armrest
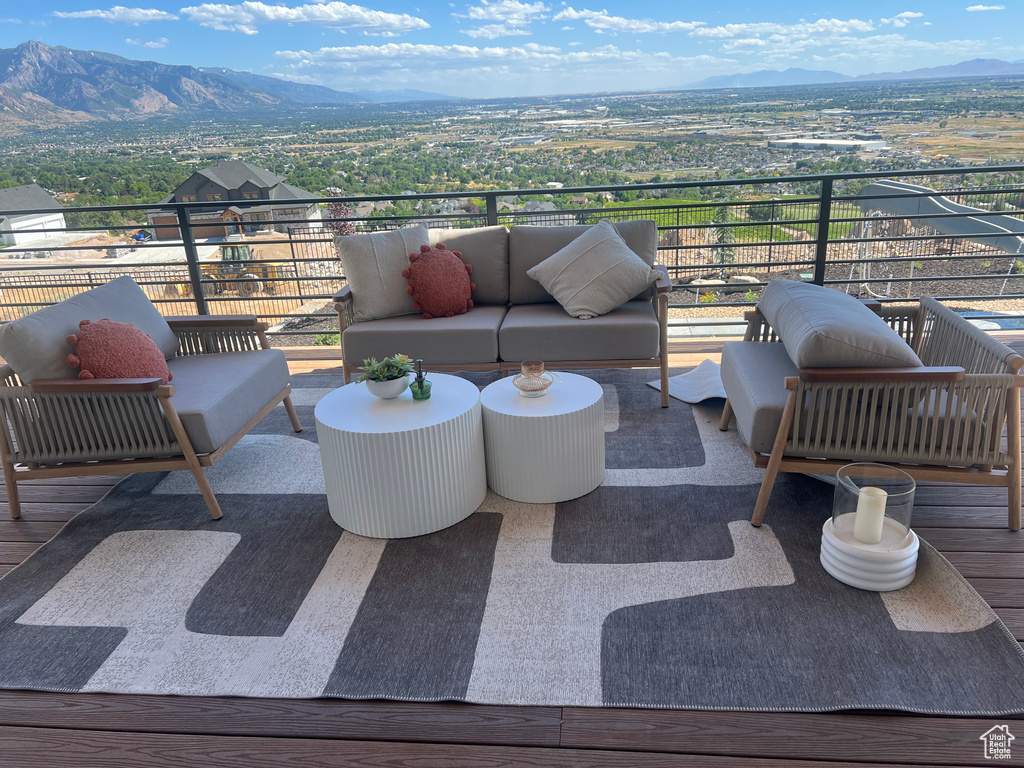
344, 295
936, 374
664, 283
82, 386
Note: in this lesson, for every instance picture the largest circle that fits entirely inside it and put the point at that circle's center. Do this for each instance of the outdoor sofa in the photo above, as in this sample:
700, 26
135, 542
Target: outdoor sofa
513, 317
821, 380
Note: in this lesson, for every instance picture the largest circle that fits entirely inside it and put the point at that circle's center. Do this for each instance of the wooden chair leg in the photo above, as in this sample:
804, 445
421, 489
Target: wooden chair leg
292, 415
723, 424
346, 373
1013, 473
775, 461
190, 457
10, 476
13, 502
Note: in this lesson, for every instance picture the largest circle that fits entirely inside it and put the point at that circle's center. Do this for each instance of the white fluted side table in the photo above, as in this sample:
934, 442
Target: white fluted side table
544, 449
399, 468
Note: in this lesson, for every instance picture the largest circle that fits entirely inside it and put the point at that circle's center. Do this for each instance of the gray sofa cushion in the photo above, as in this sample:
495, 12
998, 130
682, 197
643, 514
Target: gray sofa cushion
753, 373
529, 246
373, 266
468, 338
34, 345
546, 332
595, 273
486, 249
824, 328
215, 395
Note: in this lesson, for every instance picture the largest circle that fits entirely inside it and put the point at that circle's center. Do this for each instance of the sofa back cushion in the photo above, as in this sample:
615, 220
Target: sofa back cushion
824, 328
373, 265
35, 346
530, 245
486, 250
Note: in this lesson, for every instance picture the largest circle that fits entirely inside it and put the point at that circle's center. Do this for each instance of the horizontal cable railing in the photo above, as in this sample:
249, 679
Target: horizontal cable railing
956, 234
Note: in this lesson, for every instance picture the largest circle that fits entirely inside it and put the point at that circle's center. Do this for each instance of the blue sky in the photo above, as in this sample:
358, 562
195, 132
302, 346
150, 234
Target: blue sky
494, 48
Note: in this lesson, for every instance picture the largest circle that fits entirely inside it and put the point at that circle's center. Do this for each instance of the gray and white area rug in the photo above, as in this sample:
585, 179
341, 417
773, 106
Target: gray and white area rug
652, 591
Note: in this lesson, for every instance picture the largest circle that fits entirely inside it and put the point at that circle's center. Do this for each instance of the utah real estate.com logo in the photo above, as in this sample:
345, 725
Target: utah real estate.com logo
997, 742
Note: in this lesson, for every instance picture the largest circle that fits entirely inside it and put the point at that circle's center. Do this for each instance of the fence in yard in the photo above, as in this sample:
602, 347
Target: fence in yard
722, 241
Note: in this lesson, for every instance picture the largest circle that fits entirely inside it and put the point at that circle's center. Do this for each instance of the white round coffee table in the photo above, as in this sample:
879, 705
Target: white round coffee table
544, 449
399, 468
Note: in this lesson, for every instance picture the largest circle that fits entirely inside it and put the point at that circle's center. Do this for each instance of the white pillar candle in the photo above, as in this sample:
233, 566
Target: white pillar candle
867, 525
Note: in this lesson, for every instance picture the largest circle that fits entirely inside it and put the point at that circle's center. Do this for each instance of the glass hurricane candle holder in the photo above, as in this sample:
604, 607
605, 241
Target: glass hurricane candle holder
868, 543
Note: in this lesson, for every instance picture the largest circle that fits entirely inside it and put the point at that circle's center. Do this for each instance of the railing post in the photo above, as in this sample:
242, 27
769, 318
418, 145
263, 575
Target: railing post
195, 274
492, 208
824, 220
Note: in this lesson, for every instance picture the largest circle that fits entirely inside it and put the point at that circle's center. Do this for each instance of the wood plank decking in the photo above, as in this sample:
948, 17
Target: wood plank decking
968, 524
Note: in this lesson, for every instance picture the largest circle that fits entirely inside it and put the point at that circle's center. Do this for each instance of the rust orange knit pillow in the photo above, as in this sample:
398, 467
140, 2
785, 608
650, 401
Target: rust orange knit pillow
439, 282
107, 349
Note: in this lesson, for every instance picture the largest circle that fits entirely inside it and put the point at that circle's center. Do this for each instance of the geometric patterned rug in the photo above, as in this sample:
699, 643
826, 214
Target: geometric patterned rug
652, 591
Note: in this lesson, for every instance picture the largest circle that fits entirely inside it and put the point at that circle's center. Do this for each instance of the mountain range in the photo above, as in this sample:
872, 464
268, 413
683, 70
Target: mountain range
771, 77
45, 86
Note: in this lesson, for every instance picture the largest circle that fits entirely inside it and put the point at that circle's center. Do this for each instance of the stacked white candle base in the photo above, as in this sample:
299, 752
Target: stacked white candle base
890, 564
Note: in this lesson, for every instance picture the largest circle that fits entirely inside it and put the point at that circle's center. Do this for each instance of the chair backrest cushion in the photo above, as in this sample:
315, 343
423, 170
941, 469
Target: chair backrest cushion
35, 346
595, 273
825, 328
486, 250
530, 245
373, 265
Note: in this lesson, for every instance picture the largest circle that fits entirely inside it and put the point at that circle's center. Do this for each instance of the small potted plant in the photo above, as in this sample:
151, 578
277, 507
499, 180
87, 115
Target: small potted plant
388, 378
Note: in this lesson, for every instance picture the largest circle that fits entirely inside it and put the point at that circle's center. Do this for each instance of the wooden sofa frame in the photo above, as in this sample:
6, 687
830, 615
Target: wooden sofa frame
961, 370
344, 307
139, 412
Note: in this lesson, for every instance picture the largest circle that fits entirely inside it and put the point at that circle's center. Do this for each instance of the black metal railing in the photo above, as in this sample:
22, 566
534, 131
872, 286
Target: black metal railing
722, 241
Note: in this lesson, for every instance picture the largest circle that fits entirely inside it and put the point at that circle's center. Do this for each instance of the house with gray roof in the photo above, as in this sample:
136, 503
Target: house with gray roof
236, 181
40, 215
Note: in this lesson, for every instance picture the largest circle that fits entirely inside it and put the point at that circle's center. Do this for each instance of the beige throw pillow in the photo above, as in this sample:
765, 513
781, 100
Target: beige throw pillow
373, 265
595, 273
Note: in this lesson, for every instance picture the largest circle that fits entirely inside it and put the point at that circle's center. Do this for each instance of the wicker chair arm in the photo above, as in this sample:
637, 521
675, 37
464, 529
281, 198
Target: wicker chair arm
210, 334
81, 386
345, 294
215, 321
883, 375
664, 283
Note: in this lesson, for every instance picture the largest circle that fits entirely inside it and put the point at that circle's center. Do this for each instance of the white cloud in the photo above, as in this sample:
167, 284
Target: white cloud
803, 28
246, 17
902, 19
148, 43
511, 12
498, 68
510, 17
119, 13
986, 7
601, 21
491, 31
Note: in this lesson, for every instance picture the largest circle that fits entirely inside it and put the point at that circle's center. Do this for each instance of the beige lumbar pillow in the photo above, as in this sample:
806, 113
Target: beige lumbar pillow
373, 265
595, 273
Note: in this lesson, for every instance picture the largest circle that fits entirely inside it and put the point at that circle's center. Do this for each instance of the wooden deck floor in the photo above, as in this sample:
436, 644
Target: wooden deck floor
43, 729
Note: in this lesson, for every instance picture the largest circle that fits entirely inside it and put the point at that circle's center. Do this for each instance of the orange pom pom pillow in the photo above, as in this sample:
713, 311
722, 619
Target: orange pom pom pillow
439, 282
112, 350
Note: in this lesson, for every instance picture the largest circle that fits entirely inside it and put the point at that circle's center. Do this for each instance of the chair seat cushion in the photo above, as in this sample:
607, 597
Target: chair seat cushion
753, 373
215, 395
547, 332
468, 338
